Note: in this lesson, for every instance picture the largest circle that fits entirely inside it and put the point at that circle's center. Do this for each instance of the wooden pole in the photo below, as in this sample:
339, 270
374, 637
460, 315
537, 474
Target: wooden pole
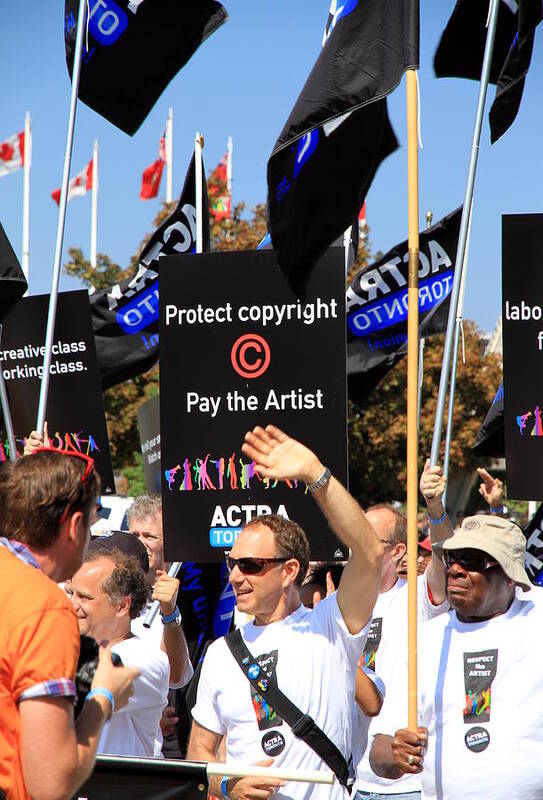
412, 390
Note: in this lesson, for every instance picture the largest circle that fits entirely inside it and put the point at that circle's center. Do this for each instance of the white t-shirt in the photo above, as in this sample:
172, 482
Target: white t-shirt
315, 659
385, 648
481, 743
154, 634
132, 730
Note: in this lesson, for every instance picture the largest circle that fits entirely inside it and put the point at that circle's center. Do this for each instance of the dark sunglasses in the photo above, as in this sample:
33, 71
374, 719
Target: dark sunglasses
251, 566
88, 460
470, 560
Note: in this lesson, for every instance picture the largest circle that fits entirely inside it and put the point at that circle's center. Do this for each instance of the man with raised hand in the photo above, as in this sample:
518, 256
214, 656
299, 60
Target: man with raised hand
480, 689
312, 653
47, 503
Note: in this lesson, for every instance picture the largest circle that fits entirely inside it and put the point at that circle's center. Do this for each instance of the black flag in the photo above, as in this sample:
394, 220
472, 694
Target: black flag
490, 440
377, 304
13, 283
461, 49
127, 778
338, 132
125, 317
133, 49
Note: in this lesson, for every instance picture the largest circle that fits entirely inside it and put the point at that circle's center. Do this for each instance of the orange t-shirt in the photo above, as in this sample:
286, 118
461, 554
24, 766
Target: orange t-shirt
39, 641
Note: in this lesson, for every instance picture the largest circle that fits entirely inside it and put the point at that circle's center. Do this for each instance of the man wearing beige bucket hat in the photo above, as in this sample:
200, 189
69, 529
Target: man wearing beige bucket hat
480, 683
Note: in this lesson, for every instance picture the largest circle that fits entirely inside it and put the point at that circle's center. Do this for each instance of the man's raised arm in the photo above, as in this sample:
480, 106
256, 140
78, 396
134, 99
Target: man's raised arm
280, 457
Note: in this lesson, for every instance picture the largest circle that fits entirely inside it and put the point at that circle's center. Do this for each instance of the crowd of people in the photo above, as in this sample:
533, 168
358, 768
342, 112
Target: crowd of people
312, 675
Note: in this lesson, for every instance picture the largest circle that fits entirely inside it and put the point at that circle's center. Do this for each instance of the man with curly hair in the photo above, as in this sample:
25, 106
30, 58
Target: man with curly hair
108, 592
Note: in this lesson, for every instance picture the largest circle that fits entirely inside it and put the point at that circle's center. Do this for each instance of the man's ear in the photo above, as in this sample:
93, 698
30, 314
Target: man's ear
292, 568
123, 606
73, 527
398, 551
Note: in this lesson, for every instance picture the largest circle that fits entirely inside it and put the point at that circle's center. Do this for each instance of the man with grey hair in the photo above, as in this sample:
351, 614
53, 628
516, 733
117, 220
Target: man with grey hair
480, 689
145, 521
108, 592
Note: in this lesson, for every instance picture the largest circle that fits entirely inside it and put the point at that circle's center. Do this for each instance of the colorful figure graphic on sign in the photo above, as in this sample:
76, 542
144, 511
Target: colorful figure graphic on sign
220, 469
522, 420
170, 475
231, 471
538, 428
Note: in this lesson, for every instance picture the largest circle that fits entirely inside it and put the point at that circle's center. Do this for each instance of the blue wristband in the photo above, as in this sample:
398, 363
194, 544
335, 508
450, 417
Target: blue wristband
104, 692
496, 510
224, 786
442, 518
167, 618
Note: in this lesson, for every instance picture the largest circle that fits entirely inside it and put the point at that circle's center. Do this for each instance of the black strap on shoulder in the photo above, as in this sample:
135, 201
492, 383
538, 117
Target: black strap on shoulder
302, 725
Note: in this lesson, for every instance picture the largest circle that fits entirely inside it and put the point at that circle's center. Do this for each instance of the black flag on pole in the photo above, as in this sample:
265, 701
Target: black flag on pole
133, 49
338, 132
462, 45
13, 283
125, 317
377, 304
490, 440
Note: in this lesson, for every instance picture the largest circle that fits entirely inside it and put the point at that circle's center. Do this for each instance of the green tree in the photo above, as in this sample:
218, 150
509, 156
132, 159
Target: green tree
378, 431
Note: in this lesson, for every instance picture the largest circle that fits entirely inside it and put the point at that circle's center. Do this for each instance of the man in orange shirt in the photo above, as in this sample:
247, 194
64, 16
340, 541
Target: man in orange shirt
47, 502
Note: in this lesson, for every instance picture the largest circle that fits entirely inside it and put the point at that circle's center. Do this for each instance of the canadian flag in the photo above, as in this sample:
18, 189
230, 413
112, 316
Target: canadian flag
150, 180
12, 153
220, 205
78, 186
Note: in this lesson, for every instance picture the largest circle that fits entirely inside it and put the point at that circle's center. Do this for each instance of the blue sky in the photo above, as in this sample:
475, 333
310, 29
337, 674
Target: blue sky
243, 82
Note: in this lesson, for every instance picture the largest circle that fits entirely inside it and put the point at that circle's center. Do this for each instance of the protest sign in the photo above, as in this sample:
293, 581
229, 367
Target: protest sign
75, 407
238, 349
149, 430
534, 547
522, 320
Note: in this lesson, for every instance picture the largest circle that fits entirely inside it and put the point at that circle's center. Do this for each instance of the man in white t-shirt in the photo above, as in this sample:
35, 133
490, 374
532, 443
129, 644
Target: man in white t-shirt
480, 686
107, 592
389, 624
313, 653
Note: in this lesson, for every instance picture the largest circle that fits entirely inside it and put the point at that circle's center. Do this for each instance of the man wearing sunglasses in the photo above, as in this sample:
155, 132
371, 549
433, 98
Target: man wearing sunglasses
480, 685
312, 653
47, 501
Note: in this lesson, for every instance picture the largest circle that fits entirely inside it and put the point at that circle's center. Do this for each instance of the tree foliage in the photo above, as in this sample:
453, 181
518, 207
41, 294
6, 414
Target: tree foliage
378, 431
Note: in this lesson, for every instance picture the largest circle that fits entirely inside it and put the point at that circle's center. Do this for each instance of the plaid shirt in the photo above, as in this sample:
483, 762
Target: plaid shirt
61, 687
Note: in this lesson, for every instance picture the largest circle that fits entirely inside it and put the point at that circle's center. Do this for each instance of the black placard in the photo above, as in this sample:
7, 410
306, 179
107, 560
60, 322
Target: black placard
522, 297
149, 430
237, 349
75, 406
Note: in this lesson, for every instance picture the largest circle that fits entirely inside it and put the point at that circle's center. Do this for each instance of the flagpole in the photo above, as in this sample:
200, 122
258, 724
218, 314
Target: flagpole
198, 145
44, 387
457, 332
169, 156
412, 391
94, 205
229, 149
4, 402
422, 345
26, 196
463, 235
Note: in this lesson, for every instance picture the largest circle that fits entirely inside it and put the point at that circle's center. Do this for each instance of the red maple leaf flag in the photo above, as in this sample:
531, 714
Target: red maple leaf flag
220, 199
12, 153
78, 186
150, 180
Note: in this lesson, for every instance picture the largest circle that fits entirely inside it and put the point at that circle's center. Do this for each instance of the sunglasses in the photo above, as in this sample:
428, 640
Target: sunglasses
251, 566
470, 560
88, 460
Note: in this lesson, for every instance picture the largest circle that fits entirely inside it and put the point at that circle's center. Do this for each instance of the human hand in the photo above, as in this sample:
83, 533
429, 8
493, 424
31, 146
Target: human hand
165, 590
254, 788
432, 484
408, 749
36, 440
118, 680
280, 457
491, 489
168, 721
